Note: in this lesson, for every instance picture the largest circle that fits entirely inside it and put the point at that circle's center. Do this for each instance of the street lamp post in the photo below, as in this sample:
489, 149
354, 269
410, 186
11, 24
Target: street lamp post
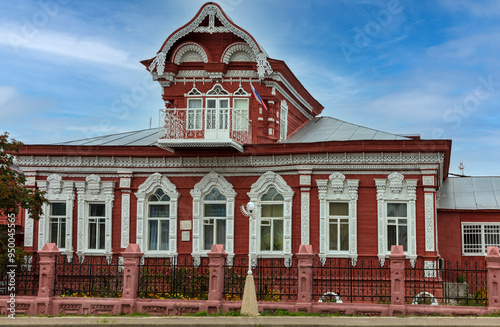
249, 303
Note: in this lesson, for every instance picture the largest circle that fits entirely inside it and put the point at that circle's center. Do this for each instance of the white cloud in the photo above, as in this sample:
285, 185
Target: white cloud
483, 8
7, 93
65, 45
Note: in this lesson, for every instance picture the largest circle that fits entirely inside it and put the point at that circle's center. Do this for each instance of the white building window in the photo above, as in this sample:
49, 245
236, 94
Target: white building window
157, 217
271, 221
396, 207
96, 226
338, 233
338, 198
476, 237
240, 114
57, 228
214, 219
195, 114
271, 228
158, 221
397, 225
213, 216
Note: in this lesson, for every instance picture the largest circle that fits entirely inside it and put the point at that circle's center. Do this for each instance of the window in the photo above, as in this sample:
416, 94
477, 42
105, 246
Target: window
240, 114
338, 213
214, 219
57, 221
397, 225
477, 237
217, 114
97, 226
195, 114
158, 221
271, 223
284, 120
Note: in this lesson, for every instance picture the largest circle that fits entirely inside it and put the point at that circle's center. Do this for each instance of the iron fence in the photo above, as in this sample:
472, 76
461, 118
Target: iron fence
165, 278
25, 279
94, 277
443, 282
338, 280
276, 279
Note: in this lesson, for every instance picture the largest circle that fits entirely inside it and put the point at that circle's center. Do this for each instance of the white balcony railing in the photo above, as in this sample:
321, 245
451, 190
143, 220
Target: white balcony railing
191, 127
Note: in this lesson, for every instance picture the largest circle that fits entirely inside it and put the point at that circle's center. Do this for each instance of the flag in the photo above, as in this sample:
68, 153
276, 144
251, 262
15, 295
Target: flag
257, 97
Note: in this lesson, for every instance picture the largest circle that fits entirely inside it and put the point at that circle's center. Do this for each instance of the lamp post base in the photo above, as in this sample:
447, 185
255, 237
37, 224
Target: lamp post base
249, 303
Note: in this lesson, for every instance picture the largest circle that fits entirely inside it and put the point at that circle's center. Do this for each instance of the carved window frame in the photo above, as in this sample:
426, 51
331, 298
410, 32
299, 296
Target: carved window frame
145, 190
58, 190
93, 190
337, 188
259, 188
396, 189
199, 191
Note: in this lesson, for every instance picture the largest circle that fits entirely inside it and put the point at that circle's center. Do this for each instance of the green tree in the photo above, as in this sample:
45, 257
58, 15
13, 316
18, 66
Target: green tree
14, 195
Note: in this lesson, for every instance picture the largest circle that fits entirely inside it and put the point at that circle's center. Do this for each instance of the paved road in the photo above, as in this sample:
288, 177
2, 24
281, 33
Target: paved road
252, 321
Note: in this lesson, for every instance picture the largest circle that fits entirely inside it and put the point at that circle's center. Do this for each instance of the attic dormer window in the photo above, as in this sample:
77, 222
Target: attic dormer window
194, 91
241, 92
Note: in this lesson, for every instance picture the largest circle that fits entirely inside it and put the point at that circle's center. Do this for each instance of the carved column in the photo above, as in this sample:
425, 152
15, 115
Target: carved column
397, 258
493, 265
48, 256
217, 257
305, 195
131, 260
305, 264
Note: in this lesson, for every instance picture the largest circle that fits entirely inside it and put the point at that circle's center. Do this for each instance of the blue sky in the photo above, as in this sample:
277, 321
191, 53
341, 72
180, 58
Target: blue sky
70, 69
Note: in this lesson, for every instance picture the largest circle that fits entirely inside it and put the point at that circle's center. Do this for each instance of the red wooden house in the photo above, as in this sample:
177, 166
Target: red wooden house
348, 190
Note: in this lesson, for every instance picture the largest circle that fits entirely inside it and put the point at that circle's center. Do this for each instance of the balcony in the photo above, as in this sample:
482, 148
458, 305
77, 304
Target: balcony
204, 128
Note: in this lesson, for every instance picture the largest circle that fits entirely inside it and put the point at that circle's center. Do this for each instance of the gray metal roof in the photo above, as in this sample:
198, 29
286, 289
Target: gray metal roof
324, 129
470, 193
145, 137
319, 129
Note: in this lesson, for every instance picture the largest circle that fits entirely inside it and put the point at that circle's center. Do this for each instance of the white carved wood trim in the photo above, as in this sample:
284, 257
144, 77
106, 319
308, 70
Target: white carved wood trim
125, 220
28, 229
429, 222
202, 188
396, 188
61, 191
261, 186
304, 217
147, 188
338, 188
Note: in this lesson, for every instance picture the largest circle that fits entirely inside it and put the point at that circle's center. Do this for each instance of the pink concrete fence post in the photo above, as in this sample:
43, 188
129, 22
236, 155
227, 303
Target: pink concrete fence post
493, 265
397, 258
305, 258
48, 256
217, 257
131, 260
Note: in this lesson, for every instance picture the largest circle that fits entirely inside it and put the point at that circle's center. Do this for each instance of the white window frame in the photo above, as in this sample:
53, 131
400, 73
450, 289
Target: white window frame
145, 190
199, 191
260, 187
212, 220
396, 189
482, 235
98, 221
338, 219
270, 221
57, 190
240, 115
160, 221
196, 114
397, 224
337, 188
60, 219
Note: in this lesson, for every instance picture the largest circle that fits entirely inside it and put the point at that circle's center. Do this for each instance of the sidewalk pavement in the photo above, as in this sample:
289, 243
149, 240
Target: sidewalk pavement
118, 321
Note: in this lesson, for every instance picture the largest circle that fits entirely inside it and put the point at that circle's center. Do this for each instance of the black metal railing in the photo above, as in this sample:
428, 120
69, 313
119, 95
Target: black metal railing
234, 279
338, 280
25, 279
435, 282
165, 278
94, 277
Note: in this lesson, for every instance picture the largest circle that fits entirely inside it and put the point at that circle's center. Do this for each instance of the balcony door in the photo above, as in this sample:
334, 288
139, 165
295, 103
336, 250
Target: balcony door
217, 119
